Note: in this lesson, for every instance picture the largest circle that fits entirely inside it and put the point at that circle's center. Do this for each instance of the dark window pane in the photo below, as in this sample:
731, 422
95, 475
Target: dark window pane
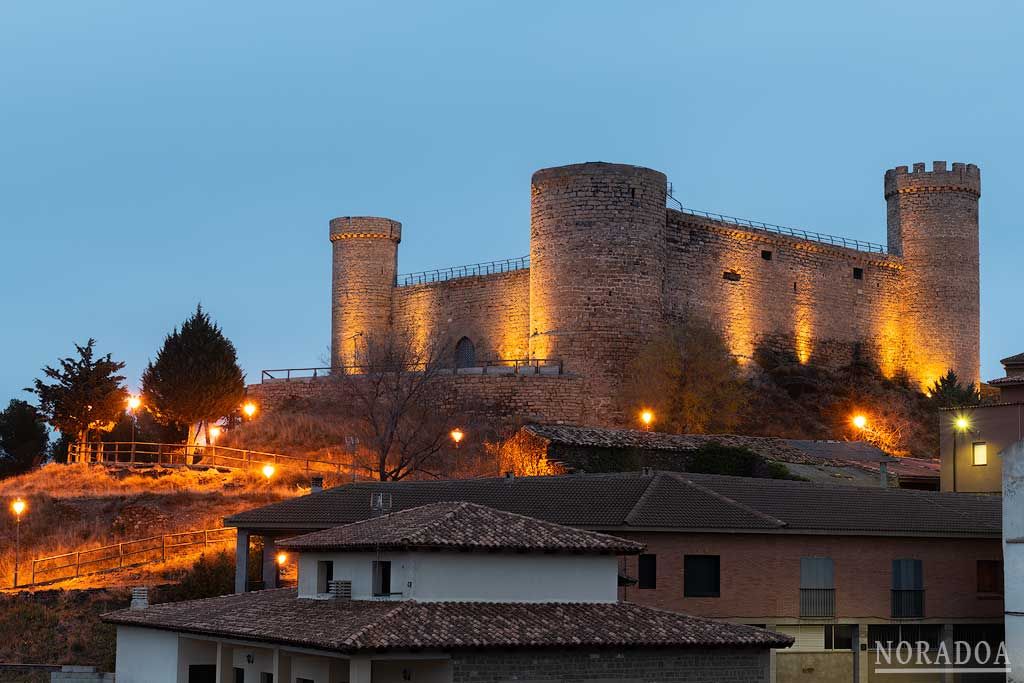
907, 575
647, 567
381, 577
817, 572
465, 353
239, 675
990, 576
701, 576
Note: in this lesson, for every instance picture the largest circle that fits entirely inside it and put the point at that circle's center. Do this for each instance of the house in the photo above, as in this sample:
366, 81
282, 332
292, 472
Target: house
446, 592
1013, 551
837, 567
598, 449
976, 435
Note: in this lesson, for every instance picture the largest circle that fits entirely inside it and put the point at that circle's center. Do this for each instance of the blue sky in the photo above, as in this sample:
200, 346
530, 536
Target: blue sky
156, 155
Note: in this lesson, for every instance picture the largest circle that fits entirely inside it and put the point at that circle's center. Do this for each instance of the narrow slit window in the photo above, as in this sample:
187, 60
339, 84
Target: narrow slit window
858, 273
766, 255
731, 276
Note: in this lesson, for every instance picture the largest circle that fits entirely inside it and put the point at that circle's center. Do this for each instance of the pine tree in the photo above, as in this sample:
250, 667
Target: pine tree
195, 378
948, 392
87, 393
23, 438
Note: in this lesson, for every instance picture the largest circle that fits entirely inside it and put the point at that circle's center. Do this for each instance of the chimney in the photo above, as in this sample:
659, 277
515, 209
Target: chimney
340, 590
316, 484
883, 472
140, 597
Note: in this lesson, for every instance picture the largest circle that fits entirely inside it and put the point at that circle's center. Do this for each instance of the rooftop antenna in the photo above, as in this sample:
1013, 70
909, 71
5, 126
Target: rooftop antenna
672, 197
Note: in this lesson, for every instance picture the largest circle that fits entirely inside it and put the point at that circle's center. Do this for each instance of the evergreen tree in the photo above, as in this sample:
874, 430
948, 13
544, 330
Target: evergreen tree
86, 393
195, 378
948, 392
23, 438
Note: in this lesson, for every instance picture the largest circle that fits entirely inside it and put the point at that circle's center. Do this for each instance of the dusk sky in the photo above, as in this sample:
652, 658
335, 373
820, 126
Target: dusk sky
157, 155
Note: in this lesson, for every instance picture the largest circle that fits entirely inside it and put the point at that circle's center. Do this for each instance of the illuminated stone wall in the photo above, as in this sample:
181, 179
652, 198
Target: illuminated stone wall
493, 311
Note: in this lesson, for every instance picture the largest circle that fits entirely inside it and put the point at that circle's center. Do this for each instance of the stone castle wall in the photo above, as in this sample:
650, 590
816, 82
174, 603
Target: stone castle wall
611, 267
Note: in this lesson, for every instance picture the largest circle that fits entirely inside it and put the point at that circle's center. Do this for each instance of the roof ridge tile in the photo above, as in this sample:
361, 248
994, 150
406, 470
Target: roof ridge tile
727, 500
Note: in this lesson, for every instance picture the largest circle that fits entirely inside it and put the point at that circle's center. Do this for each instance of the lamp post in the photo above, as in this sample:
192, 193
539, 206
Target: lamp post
457, 436
268, 471
647, 418
960, 424
17, 507
249, 409
133, 405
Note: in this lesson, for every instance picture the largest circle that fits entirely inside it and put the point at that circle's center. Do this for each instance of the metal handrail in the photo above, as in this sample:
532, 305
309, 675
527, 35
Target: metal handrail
517, 364
133, 453
126, 558
471, 270
834, 240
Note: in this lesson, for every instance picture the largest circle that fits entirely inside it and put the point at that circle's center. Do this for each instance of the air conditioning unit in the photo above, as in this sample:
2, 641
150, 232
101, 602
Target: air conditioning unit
340, 590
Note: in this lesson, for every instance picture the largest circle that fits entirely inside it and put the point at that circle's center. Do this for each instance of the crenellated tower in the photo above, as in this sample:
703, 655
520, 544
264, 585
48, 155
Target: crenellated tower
597, 268
365, 262
932, 219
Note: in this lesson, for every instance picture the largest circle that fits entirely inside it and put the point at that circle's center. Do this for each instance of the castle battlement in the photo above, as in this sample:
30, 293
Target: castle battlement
961, 178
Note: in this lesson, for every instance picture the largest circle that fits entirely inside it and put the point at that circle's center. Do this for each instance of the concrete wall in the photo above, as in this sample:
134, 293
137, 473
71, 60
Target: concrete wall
473, 576
147, 656
813, 667
609, 664
768, 590
998, 426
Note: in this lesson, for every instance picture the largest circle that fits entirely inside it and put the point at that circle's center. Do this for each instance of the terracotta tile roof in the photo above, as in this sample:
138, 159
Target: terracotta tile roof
1007, 381
461, 526
664, 500
277, 616
1016, 359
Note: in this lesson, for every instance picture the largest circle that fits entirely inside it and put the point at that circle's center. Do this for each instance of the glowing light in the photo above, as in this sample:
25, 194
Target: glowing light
647, 417
457, 435
214, 433
281, 558
249, 408
860, 421
268, 470
962, 424
18, 507
133, 403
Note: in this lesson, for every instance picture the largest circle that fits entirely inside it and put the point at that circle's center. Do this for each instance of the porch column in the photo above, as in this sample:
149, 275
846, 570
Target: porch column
282, 666
241, 560
269, 562
225, 663
359, 670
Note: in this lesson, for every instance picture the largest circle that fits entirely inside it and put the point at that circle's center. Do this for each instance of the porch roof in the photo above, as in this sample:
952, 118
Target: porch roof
350, 626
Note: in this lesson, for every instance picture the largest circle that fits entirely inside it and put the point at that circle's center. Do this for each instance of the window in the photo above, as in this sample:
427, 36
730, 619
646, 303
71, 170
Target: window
979, 453
766, 255
891, 635
465, 353
907, 589
858, 273
266, 677
239, 675
647, 567
731, 276
324, 576
701, 576
817, 587
202, 673
990, 576
381, 578
840, 636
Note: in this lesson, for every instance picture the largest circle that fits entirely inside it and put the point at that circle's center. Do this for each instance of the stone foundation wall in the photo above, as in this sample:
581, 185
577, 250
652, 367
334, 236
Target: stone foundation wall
545, 398
609, 664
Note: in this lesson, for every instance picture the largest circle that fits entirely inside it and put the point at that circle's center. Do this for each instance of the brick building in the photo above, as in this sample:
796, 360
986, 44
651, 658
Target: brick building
610, 266
441, 593
836, 567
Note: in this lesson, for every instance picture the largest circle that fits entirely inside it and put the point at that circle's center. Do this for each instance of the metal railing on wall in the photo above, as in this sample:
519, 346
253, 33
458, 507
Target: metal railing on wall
498, 366
471, 270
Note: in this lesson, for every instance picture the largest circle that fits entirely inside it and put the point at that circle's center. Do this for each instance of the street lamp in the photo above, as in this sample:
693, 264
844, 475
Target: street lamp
249, 409
134, 402
17, 507
457, 436
960, 424
860, 422
268, 471
647, 417
214, 433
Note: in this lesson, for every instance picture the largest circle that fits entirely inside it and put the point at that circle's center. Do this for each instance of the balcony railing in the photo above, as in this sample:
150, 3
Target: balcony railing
817, 602
907, 604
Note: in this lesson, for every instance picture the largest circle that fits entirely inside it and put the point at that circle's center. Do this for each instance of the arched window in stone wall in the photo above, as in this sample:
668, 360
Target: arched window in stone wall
465, 353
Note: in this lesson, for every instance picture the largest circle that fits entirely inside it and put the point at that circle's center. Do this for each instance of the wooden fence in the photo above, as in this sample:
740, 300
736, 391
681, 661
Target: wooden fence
138, 453
125, 554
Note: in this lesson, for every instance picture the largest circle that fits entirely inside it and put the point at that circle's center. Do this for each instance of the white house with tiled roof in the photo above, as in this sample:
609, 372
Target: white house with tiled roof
446, 592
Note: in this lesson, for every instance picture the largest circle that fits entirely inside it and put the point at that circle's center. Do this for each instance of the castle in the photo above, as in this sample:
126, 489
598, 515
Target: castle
611, 265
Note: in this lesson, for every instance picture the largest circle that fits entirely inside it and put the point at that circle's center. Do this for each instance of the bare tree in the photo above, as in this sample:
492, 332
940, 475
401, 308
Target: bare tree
401, 403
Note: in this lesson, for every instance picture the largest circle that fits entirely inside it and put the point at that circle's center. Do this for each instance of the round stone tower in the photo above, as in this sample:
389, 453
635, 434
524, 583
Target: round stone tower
364, 270
933, 224
597, 268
